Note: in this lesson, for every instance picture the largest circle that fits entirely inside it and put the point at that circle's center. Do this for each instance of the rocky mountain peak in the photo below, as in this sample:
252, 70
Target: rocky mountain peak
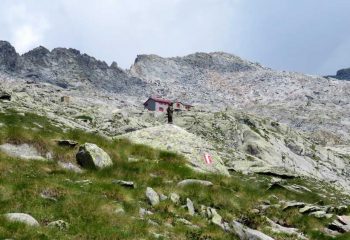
8, 56
37, 55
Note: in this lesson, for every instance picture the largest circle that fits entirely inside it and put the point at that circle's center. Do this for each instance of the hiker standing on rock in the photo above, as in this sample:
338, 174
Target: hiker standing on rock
170, 111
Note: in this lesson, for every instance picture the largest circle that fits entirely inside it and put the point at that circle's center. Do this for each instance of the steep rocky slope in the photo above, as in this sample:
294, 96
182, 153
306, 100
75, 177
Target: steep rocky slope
309, 103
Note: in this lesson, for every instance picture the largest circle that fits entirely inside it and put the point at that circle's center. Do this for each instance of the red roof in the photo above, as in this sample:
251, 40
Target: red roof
156, 99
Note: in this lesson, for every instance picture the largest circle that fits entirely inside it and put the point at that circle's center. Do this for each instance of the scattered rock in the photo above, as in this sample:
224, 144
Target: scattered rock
309, 209
245, 233
70, 167
190, 207
194, 181
22, 151
23, 218
123, 183
321, 214
151, 222
162, 197
331, 232
144, 212
341, 209
215, 217
158, 235
67, 143
175, 198
281, 229
46, 194
119, 210
255, 211
5, 96
187, 223
60, 224
292, 188
288, 205
84, 182
341, 224
152, 196
92, 157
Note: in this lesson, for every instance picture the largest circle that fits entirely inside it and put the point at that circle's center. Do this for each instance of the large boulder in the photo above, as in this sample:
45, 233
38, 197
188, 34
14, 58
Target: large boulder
23, 218
92, 157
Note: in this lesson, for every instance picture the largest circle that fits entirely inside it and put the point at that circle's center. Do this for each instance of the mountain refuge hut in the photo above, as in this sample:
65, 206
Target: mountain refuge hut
160, 105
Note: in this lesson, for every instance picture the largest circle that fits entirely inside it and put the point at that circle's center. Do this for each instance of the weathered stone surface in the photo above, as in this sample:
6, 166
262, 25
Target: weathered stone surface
67, 143
70, 167
344, 219
187, 223
162, 197
22, 151
144, 212
309, 209
321, 214
129, 184
180, 141
152, 196
119, 210
287, 205
245, 233
5, 96
194, 181
175, 198
190, 207
23, 218
92, 157
60, 224
281, 229
339, 225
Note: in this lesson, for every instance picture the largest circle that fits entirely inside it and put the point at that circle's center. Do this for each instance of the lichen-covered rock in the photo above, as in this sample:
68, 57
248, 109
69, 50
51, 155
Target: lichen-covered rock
59, 224
152, 196
173, 138
175, 198
92, 157
190, 207
70, 167
23, 218
194, 181
22, 151
245, 233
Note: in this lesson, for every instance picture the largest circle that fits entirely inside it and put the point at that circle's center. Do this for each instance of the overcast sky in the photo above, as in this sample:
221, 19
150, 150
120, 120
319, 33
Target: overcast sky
310, 36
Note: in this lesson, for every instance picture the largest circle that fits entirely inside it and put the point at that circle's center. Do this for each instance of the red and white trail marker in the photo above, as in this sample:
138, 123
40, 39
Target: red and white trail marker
208, 159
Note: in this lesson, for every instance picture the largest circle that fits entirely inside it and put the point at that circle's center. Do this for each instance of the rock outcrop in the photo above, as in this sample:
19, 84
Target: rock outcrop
173, 138
92, 157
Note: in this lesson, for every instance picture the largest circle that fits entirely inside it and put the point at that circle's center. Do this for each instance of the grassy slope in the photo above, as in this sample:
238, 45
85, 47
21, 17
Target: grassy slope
89, 208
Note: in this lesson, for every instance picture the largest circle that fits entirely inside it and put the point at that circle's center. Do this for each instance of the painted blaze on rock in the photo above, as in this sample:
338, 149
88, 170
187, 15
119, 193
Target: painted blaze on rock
92, 157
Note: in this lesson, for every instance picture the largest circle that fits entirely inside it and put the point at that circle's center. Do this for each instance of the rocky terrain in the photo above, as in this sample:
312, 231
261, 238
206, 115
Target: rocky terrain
287, 130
